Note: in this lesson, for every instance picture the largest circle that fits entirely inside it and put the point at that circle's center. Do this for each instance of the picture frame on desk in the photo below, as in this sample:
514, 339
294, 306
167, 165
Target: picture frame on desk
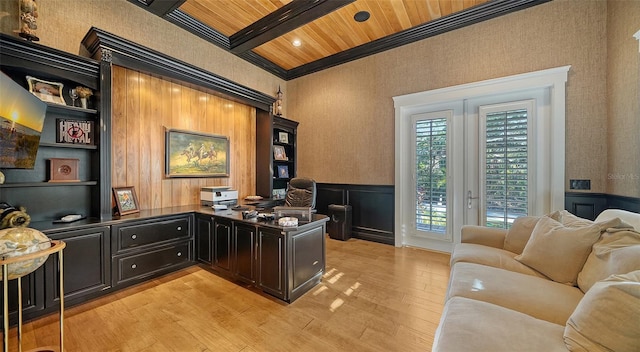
283, 171
279, 153
126, 200
279, 193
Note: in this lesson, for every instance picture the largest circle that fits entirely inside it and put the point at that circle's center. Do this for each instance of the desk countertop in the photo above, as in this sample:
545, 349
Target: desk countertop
235, 215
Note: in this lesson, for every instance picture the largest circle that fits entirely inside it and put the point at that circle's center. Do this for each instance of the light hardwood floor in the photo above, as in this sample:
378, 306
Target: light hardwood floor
373, 297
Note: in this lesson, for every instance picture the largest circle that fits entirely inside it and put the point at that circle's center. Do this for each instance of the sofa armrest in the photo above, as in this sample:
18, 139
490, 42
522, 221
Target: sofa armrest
486, 236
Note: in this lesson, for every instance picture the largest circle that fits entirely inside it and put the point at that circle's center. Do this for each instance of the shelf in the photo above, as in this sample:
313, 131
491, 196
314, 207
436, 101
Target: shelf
70, 145
48, 184
71, 109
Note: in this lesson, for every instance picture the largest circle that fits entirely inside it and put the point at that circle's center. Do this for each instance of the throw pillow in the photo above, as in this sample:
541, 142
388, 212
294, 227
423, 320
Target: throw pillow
617, 252
606, 319
570, 220
520, 231
557, 251
518, 235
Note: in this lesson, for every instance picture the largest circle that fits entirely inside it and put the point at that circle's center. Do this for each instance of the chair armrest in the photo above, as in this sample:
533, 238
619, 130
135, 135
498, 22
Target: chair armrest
486, 236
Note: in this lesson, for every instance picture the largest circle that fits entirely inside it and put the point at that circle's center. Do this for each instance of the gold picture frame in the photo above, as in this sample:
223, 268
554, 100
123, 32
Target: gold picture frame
126, 200
195, 154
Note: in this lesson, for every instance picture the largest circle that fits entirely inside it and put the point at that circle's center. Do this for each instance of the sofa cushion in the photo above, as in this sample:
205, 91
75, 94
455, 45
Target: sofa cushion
535, 296
617, 252
470, 325
490, 256
607, 317
557, 251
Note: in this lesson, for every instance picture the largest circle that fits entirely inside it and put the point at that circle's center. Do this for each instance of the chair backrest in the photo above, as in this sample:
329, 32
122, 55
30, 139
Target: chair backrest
301, 192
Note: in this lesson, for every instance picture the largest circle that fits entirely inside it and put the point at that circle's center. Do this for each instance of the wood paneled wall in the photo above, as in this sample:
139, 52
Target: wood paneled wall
143, 106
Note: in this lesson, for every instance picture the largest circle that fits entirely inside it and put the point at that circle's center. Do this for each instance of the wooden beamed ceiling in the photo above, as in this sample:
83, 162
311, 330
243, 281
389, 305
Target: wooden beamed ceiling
263, 31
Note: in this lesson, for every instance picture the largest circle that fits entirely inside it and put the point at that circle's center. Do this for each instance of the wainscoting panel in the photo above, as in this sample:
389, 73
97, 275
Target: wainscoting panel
589, 205
372, 208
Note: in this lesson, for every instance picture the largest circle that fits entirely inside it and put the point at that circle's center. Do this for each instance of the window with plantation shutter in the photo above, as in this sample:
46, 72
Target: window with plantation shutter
430, 156
506, 164
481, 153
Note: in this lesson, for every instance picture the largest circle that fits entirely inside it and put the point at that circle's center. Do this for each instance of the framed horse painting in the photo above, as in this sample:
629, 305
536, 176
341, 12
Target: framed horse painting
195, 154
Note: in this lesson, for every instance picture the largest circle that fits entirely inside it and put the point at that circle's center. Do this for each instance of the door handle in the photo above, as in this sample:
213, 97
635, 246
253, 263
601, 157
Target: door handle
469, 199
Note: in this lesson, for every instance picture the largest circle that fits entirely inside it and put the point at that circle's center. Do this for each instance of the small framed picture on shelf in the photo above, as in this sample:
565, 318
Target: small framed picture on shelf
74, 131
126, 200
283, 137
279, 153
45, 90
283, 171
63, 170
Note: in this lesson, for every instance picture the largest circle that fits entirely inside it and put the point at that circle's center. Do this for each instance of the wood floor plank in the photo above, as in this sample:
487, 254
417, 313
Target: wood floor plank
373, 297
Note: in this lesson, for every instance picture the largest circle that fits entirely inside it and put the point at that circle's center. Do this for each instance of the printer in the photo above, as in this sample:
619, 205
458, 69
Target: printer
211, 196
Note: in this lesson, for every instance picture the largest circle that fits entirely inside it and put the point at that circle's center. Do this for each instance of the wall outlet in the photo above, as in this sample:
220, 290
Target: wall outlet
579, 184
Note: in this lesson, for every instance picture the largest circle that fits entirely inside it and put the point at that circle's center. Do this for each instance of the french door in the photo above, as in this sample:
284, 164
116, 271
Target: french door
482, 160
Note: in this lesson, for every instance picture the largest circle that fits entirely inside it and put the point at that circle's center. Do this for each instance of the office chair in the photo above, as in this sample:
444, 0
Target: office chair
301, 192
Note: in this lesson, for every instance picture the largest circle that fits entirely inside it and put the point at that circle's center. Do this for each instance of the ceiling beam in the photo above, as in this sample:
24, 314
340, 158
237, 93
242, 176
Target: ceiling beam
158, 7
441, 25
287, 18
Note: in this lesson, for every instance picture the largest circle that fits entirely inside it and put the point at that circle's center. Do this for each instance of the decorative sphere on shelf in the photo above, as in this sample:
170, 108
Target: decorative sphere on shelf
18, 241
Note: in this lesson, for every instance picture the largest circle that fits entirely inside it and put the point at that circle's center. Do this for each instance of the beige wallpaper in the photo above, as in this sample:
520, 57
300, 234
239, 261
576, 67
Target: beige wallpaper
346, 113
623, 93
346, 133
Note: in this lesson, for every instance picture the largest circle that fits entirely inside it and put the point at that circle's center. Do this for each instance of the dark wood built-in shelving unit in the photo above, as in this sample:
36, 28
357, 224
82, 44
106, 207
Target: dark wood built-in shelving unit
47, 201
268, 129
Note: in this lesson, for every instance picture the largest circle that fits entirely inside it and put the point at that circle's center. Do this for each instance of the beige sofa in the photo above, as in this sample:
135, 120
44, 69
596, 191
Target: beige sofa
551, 283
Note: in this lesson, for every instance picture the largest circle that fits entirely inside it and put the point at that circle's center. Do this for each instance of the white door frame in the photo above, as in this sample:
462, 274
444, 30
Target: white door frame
407, 105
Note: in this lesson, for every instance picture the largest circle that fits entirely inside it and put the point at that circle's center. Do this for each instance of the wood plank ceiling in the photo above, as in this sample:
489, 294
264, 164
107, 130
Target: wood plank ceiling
263, 31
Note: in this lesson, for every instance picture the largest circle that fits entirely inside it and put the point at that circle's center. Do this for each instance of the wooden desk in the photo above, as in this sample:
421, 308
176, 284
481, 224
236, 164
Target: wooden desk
285, 262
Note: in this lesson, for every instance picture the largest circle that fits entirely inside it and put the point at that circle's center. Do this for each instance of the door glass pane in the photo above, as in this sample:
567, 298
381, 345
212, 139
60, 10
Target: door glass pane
506, 167
431, 175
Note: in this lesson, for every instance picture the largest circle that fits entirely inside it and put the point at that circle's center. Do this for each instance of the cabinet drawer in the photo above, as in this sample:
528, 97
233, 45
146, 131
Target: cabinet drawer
132, 236
139, 265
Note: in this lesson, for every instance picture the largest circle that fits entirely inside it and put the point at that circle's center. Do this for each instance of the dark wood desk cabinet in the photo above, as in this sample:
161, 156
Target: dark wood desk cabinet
87, 265
103, 256
284, 262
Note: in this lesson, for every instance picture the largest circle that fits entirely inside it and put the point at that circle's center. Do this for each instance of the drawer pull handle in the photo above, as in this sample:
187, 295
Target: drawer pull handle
315, 262
133, 237
179, 254
179, 228
133, 266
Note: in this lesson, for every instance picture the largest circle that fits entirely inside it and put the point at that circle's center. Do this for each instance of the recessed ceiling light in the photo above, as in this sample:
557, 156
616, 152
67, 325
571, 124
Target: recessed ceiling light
361, 16
296, 42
